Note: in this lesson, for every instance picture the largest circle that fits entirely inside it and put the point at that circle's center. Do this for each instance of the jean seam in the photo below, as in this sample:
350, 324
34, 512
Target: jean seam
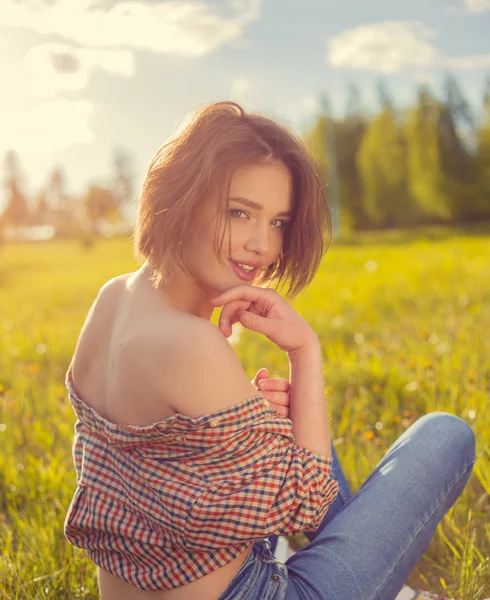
465, 471
340, 561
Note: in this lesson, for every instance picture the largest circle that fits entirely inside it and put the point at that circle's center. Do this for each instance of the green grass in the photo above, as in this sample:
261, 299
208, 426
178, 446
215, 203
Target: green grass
404, 321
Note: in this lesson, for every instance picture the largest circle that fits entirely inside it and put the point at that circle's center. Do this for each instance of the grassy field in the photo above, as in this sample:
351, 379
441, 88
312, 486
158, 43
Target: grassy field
404, 321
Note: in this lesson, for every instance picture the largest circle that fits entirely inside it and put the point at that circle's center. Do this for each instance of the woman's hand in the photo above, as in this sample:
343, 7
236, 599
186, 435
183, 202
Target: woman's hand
275, 389
265, 311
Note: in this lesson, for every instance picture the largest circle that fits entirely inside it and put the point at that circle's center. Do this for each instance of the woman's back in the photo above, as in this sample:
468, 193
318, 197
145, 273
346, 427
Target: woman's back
113, 362
117, 373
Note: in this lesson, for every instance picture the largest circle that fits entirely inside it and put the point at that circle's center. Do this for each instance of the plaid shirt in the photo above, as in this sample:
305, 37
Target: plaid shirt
162, 505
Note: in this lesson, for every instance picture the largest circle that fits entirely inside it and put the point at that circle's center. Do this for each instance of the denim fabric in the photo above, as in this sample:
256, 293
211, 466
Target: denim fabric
368, 542
260, 576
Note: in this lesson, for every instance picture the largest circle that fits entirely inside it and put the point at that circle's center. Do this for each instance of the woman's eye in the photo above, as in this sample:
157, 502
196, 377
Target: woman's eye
282, 225
236, 210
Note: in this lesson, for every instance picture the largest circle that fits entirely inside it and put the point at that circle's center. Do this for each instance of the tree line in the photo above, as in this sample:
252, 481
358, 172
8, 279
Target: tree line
425, 164
428, 163
67, 214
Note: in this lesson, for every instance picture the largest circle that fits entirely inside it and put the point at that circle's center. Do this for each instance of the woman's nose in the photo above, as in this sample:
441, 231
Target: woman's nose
259, 241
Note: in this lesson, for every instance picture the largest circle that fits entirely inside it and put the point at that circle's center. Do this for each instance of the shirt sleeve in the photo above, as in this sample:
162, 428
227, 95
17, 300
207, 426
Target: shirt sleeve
280, 489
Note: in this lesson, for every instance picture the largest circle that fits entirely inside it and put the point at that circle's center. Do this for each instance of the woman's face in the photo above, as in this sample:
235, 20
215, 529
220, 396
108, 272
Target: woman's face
260, 198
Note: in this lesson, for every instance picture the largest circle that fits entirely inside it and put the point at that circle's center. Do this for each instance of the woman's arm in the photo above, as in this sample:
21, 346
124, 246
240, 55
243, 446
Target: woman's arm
307, 406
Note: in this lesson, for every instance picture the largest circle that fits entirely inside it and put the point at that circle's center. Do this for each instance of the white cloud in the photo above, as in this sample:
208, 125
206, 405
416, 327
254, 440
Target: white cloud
477, 61
109, 34
384, 47
391, 46
50, 126
185, 27
477, 6
53, 68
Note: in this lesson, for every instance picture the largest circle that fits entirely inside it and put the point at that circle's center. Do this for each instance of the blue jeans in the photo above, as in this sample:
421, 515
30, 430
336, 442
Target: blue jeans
368, 542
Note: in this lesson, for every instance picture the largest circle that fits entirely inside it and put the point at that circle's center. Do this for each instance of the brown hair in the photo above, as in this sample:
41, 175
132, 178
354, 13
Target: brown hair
198, 162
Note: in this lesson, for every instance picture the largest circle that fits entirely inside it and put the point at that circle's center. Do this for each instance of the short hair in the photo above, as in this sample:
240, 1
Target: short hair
197, 163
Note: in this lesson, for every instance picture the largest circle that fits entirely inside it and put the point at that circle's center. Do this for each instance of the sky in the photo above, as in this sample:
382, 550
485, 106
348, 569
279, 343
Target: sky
80, 78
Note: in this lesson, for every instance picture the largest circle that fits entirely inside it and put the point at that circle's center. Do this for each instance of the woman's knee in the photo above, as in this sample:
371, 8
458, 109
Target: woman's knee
449, 434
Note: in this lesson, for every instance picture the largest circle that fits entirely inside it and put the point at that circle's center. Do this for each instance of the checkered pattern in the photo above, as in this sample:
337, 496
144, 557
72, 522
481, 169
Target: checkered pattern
164, 504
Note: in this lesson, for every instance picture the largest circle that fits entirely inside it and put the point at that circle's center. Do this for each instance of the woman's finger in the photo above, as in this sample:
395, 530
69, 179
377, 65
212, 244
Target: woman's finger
274, 384
231, 315
241, 292
283, 410
255, 300
262, 373
280, 398
268, 313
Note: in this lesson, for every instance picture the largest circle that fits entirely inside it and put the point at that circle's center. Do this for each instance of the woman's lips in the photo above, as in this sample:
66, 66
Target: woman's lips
246, 276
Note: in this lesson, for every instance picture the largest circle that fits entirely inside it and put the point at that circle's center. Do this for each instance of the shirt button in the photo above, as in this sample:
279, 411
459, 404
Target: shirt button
275, 577
179, 438
265, 402
214, 423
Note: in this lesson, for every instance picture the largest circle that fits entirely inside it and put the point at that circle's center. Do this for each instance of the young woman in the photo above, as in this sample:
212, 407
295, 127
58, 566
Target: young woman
186, 470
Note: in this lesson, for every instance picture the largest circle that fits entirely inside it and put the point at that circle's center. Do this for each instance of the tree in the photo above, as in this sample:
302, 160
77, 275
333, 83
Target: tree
101, 206
482, 205
425, 168
123, 188
63, 212
348, 134
382, 162
456, 142
384, 96
58, 199
42, 213
17, 211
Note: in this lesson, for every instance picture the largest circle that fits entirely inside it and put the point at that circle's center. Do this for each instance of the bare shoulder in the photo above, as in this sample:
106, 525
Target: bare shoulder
109, 292
103, 306
201, 372
96, 328
114, 286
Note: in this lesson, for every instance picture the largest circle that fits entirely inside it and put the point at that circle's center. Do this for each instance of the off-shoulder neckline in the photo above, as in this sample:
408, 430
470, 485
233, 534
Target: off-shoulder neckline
163, 423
